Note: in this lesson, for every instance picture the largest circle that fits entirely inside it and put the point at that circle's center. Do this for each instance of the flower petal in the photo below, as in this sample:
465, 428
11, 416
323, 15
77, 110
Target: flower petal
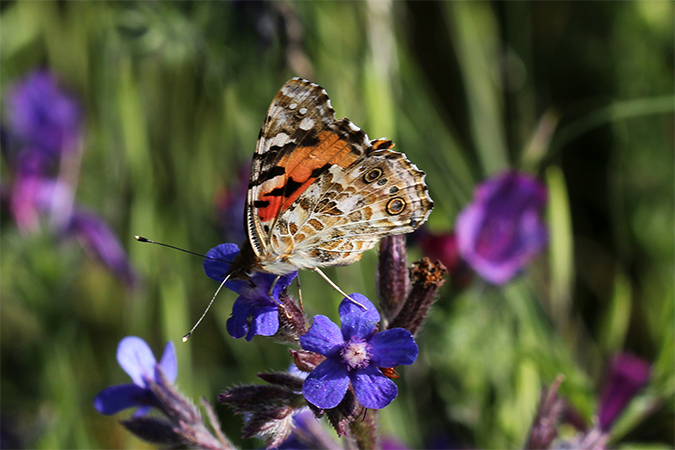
627, 374
501, 230
116, 398
324, 337
136, 358
357, 322
282, 283
168, 363
237, 325
255, 289
393, 347
372, 388
141, 411
265, 322
96, 235
44, 115
218, 267
325, 386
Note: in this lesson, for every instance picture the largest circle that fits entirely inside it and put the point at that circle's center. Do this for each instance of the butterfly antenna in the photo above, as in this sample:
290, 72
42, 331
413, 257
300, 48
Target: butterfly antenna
187, 336
142, 239
335, 286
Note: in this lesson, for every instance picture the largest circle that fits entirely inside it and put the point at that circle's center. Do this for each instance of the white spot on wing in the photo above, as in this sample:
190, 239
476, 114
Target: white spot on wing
306, 124
354, 127
292, 106
280, 139
303, 110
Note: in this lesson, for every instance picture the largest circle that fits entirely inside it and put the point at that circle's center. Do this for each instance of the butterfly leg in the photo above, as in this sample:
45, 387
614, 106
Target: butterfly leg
271, 291
335, 286
302, 308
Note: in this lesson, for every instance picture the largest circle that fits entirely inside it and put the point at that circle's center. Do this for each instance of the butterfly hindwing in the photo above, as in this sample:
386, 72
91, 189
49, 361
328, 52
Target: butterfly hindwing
347, 212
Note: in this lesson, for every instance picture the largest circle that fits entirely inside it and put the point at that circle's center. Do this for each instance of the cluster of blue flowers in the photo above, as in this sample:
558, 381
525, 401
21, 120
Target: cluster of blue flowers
353, 353
334, 365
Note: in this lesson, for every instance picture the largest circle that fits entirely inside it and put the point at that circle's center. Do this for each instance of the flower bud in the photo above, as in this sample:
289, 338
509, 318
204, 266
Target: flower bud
392, 281
427, 278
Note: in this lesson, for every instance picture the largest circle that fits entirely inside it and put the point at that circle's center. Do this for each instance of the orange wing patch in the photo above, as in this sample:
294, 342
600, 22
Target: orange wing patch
302, 167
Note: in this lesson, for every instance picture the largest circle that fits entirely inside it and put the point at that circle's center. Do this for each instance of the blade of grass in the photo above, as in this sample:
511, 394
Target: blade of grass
614, 112
476, 41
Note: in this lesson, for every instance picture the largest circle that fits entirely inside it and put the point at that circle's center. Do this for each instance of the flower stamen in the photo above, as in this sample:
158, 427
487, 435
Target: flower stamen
356, 354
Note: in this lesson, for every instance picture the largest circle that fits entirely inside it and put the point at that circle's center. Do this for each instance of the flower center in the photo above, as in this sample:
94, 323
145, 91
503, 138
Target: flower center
355, 354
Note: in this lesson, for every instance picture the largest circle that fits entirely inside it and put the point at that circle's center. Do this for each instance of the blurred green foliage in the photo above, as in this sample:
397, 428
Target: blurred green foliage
580, 93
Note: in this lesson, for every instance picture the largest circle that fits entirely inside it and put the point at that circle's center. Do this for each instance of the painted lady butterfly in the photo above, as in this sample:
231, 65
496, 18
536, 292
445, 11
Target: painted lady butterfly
320, 192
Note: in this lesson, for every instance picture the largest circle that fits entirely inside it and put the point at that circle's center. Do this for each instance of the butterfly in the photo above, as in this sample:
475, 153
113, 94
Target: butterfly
320, 191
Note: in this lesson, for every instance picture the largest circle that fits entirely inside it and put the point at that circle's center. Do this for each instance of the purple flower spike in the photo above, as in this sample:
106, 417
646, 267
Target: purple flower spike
137, 360
627, 374
501, 230
42, 115
254, 311
354, 355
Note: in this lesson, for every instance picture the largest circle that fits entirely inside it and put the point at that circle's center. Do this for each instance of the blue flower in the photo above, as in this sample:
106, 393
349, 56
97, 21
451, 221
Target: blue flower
501, 231
136, 358
354, 355
254, 311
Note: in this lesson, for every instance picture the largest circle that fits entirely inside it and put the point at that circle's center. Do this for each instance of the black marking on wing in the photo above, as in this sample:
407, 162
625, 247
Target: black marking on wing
286, 190
274, 171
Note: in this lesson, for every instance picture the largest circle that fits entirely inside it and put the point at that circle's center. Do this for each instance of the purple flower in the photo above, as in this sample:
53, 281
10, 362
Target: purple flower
354, 355
99, 238
42, 115
136, 358
34, 197
254, 311
501, 230
230, 205
627, 374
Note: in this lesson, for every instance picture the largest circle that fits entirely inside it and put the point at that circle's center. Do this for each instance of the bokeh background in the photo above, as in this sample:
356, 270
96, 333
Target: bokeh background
172, 95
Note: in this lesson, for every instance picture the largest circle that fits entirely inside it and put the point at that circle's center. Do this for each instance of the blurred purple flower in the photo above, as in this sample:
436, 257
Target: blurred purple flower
354, 354
34, 197
100, 239
501, 230
47, 122
230, 203
627, 374
254, 311
41, 115
137, 360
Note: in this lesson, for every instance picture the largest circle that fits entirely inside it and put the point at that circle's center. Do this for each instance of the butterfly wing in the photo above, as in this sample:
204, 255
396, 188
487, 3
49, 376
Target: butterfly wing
381, 194
299, 141
321, 192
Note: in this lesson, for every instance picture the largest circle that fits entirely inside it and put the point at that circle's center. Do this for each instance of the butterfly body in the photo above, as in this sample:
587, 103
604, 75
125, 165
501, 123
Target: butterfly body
320, 192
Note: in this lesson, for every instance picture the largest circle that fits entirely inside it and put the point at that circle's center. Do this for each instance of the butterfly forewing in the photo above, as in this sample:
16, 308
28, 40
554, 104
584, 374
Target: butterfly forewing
299, 140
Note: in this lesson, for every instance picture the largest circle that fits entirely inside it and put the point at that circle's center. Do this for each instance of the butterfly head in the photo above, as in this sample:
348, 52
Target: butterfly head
244, 264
